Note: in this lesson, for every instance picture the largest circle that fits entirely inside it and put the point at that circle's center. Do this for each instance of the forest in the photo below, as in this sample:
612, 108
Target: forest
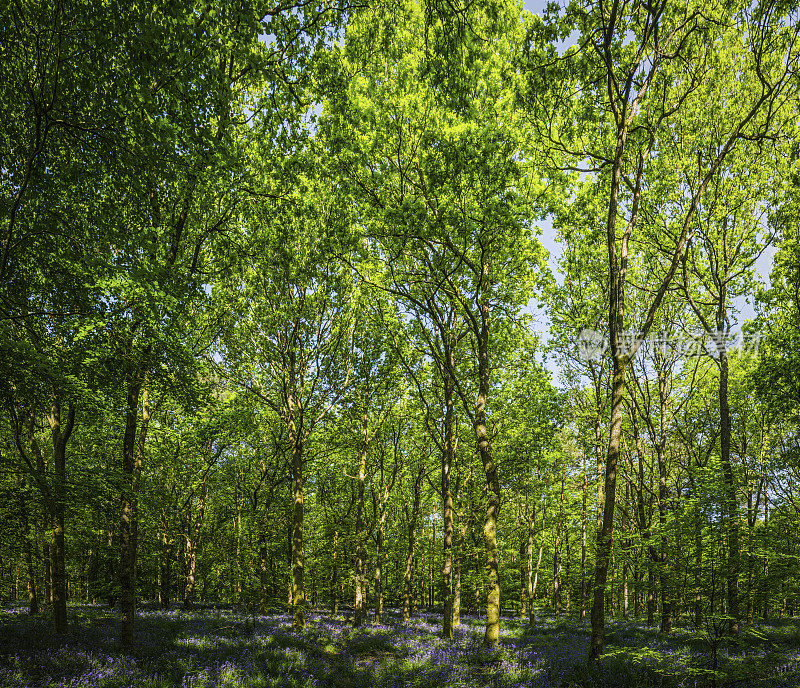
399, 343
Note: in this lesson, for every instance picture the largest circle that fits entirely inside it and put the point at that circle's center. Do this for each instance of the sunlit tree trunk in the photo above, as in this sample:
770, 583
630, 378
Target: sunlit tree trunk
491, 636
447, 498
731, 498
557, 552
335, 574
604, 541
361, 552
128, 540
584, 495
263, 571
523, 572
238, 497
30, 571
192, 538
529, 591
408, 576
298, 598
167, 554
60, 434
457, 582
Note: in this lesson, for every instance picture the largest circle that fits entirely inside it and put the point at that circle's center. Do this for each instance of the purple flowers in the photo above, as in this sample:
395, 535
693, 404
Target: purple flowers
228, 649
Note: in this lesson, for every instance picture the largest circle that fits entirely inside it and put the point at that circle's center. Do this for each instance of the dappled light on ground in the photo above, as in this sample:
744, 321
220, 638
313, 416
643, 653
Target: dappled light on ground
236, 649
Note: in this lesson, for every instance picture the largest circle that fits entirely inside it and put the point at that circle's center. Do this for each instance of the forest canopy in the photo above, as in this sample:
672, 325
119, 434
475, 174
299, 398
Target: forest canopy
278, 327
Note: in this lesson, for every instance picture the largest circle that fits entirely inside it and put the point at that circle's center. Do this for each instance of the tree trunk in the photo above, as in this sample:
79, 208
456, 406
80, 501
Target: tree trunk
297, 589
408, 577
664, 579
531, 613
193, 531
523, 572
604, 536
491, 637
584, 495
557, 552
361, 552
447, 499
731, 502
129, 508
378, 579
33, 597
529, 580
263, 570
60, 434
167, 552
457, 582
335, 574
238, 538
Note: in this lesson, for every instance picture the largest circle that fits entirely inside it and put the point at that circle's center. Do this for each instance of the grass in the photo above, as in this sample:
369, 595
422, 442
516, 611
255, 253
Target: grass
230, 649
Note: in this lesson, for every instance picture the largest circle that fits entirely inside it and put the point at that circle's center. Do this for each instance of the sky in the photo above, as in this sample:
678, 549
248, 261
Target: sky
746, 310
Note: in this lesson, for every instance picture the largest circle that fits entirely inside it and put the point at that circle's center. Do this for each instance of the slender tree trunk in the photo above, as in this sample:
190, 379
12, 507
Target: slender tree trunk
457, 583
298, 561
523, 572
664, 578
625, 590
604, 536
732, 502
238, 538
529, 582
565, 585
48, 574
335, 574
378, 572
584, 495
264, 571
447, 499
698, 563
538, 565
110, 569
408, 578
491, 637
167, 553
129, 509
60, 434
190, 566
30, 571
193, 531
557, 552
361, 553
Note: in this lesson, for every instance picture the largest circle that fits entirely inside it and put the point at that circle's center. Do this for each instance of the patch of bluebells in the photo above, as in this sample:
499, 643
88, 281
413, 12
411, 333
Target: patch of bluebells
234, 649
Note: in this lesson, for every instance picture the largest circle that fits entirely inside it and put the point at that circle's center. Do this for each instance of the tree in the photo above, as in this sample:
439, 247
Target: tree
291, 341
641, 87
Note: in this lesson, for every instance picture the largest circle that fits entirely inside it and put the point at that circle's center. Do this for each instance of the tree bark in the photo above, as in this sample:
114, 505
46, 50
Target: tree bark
167, 552
408, 577
131, 465
732, 500
60, 434
447, 499
30, 571
361, 553
297, 588
584, 495
604, 535
335, 574
193, 530
457, 576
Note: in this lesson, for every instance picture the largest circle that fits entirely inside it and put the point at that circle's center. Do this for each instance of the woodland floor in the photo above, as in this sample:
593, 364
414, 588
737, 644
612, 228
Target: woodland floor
229, 648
